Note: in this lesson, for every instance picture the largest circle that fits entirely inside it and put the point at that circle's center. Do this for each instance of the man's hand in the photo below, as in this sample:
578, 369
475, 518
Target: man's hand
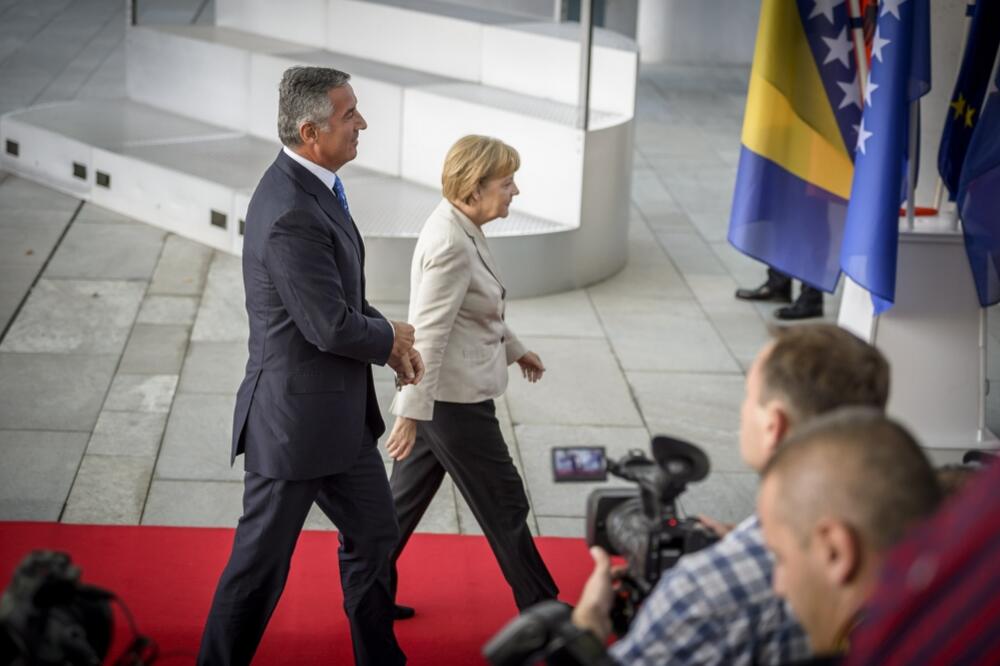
402, 438
400, 357
721, 529
417, 363
593, 611
531, 366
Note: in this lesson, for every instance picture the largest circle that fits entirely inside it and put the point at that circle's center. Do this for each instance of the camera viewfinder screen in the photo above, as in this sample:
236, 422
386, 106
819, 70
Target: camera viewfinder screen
578, 463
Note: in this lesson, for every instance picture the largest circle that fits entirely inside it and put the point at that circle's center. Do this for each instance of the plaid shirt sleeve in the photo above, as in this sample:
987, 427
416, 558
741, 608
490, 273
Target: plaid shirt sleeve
715, 607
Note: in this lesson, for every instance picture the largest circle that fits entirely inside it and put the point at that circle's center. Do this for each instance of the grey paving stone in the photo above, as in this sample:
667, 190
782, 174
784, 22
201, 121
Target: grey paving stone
746, 271
75, 316
569, 314
194, 503
53, 391
141, 393
583, 385
155, 349
703, 409
182, 268
664, 335
28, 237
127, 434
198, 439
725, 496
442, 514
107, 251
178, 310
222, 315
91, 213
691, 253
14, 286
570, 499
37, 472
561, 526
213, 367
21, 196
648, 274
109, 490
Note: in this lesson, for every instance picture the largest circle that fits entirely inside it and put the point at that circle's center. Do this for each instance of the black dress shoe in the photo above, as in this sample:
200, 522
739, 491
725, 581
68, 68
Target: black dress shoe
402, 612
768, 291
800, 309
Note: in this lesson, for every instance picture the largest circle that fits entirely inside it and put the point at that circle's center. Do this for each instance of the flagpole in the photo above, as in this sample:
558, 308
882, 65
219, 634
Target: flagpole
913, 159
858, 37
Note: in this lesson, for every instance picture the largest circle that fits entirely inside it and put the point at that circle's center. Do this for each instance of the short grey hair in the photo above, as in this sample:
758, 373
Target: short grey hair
302, 98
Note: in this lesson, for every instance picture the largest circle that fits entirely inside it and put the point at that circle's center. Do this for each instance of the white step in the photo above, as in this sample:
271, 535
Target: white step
195, 179
492, 47
230, 78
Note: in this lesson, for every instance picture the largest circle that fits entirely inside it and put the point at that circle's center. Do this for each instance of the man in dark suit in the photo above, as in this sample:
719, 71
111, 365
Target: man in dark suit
307, 420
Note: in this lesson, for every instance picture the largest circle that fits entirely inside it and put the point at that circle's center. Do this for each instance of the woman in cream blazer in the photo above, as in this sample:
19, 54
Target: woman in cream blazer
447, 423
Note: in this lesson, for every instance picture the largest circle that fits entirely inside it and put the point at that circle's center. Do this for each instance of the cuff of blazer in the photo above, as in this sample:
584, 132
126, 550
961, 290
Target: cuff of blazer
515, 348
387, 341
413, 403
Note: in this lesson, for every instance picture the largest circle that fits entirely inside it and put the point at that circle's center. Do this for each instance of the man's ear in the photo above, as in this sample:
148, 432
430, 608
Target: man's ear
839, 548
776, 427
307, 133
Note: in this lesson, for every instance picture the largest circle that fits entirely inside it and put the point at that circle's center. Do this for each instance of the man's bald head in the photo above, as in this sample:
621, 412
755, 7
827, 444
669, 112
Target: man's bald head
859, 466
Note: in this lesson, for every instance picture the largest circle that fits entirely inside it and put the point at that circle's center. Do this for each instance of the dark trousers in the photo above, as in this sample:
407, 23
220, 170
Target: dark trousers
809, 295
465, 441
359, 503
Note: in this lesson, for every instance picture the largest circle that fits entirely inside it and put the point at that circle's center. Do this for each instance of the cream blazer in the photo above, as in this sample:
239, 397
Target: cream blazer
457, 308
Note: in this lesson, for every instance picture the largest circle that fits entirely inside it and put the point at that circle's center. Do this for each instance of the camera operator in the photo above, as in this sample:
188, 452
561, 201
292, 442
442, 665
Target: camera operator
717, 605
833, 499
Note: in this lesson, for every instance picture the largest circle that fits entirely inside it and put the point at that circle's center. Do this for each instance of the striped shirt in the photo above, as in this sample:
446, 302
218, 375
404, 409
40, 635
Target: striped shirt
716, 606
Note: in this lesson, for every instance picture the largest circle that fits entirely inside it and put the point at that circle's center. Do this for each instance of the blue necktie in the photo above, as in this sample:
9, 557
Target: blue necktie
338, 190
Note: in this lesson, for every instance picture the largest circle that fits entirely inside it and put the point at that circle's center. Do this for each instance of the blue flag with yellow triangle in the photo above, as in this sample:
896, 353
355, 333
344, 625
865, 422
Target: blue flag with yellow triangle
795, 167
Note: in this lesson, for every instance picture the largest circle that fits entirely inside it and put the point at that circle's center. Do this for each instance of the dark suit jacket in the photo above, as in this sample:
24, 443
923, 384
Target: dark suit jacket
308, 391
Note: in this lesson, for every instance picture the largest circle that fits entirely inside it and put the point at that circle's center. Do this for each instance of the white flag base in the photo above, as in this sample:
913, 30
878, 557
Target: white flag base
934, 337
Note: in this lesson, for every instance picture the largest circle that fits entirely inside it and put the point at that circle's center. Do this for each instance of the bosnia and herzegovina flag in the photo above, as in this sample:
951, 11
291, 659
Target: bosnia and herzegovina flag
900, 74
795, 166
979, 200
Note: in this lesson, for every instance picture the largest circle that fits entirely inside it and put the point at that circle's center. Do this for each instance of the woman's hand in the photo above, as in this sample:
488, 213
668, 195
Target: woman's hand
531, 367
402, 437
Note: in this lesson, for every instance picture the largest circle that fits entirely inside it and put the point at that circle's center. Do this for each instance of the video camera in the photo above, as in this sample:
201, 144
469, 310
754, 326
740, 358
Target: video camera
642, 524
47, 616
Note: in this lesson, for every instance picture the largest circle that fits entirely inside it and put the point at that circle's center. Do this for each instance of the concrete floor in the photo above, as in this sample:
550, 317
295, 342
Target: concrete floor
122, 345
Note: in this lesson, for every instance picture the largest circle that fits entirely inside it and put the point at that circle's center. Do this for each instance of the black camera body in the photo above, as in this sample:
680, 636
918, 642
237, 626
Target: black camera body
643, 525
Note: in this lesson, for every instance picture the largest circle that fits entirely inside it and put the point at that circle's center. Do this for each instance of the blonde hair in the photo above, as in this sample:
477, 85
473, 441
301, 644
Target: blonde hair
472, 160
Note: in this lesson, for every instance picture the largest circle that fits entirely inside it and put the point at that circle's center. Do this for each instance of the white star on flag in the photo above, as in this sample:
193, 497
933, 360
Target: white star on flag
869, 89
877, 44
824, 7
863, 135
891, 7
840, 48
852, 93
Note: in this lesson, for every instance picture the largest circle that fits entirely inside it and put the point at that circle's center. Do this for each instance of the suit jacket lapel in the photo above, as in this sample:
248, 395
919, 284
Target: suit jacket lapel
326, 199
478, 241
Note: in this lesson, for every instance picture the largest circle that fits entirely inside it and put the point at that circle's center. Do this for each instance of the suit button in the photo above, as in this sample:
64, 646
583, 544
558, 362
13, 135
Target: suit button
502, 339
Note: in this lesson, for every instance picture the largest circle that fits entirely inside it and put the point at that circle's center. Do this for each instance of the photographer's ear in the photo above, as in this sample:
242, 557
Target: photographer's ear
777, 425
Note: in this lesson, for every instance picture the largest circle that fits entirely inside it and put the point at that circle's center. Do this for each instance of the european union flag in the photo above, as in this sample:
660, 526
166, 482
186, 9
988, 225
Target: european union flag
970, 88
795, 166
979, 200
900, 73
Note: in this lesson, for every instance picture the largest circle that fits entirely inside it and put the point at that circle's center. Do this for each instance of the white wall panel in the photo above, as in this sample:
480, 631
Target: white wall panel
192, 77
300, 21
399, 36
550, 178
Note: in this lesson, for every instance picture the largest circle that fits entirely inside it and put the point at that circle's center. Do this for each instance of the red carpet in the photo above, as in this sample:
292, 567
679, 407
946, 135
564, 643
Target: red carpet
167, 576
